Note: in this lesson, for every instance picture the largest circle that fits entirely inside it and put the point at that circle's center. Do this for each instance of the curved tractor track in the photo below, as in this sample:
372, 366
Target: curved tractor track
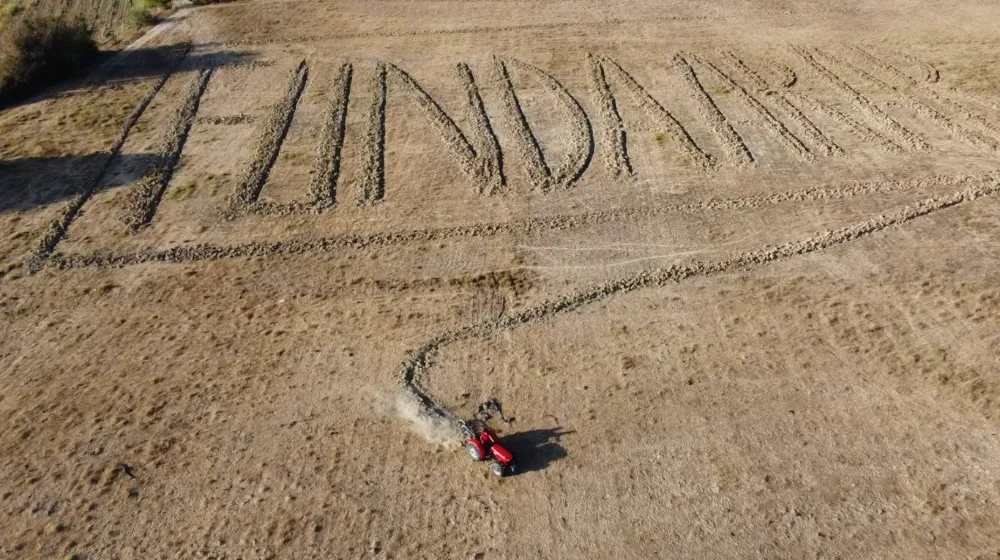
421, 360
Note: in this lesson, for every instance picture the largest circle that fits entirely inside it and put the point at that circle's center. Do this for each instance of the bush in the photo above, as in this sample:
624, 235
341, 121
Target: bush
139, 16
38, 51
8, 11
143, 12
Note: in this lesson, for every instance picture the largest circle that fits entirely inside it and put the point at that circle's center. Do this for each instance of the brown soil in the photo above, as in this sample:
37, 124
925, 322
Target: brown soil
731, 266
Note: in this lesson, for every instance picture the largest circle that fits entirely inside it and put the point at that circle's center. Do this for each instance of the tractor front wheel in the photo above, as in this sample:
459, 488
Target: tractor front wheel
496, 468
474, 452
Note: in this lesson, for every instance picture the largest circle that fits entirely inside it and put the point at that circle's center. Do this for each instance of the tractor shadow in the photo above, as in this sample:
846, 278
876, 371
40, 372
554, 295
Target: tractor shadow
535, 450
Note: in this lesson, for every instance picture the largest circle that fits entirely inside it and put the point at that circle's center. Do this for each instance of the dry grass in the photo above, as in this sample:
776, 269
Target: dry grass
113, 23
7, 13
145, 12
39, 50
42, 42
705, 358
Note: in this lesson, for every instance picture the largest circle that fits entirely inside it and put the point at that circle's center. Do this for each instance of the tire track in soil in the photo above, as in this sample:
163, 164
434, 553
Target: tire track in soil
763, 117
931, 74
987, 127
485, 29
123, 7
780, 73
144, 198
859, 130
984, 100
906, 100
523, 226
883, 66
420, 361
490, 154
783, 74
372, 182
326, 172
613, 136
780, 101
582, 145
484, 166
105, 16
733, 145
57, 229
908, 140
514, 279
525, 142
483, 174
984, 125
657, 113
272, 136
460, 31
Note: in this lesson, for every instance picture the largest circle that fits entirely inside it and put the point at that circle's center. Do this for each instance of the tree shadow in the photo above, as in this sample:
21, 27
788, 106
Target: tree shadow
118, 68
535, 450
134, 64
31, 182
40, 181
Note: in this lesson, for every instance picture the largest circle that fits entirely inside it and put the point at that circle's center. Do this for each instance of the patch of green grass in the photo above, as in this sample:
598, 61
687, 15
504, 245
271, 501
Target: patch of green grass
183, 191
9, 10
7, 13
144, 12
139, 17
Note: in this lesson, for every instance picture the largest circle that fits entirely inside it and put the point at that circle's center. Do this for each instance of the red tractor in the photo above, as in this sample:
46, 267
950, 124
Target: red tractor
485, 445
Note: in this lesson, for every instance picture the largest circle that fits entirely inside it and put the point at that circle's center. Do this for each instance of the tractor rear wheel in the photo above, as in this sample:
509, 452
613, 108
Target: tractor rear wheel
474, 452
496, 468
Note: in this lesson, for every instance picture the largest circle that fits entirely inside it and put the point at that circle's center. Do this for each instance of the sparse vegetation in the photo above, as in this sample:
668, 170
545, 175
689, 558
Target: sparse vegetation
183, 191
145, 12
38, 50
214, 348
7, 13
40, 45
139, 16
718, 90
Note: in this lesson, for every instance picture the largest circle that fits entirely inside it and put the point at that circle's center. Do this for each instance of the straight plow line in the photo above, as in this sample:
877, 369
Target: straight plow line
60, 225
521, 226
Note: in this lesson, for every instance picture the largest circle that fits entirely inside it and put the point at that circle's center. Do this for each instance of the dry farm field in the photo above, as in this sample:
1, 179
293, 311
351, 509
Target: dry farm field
732, 266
